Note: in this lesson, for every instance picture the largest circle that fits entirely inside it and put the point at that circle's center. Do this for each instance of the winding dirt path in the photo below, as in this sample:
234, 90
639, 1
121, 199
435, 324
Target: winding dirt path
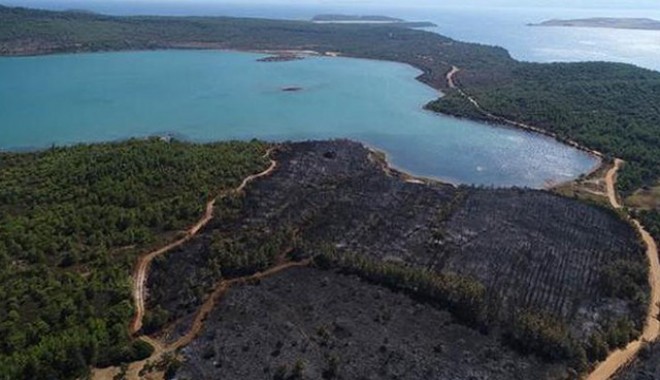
139, 289
219, 291
620, 358
450, 77
144, 262
610, 183
161, 350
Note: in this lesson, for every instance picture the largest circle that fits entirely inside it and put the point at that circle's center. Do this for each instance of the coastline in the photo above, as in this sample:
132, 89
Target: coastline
524, 126
382, 157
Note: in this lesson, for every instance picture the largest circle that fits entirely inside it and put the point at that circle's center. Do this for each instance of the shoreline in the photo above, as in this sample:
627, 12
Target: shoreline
519, 125
406, 176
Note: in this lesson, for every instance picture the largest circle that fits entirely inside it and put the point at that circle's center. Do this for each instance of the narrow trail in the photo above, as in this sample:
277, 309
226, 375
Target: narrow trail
610, 183
161, 350
144, 262
619, 358
220, 290
450, 77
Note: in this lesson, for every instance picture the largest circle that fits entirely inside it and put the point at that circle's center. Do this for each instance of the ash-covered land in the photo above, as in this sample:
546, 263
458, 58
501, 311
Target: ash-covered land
420, 279
327, 325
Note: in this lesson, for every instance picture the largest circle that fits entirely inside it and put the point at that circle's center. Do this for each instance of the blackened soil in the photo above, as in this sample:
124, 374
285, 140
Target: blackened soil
340, 327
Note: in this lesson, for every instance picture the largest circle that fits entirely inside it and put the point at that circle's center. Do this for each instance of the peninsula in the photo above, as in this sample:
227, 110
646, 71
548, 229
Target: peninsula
369, 20
357, 19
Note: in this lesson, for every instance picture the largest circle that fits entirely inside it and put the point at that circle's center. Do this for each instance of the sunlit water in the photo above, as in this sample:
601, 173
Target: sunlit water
210, 95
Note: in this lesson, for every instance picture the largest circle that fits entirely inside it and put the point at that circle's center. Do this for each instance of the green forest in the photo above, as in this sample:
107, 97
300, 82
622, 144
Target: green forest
72, 222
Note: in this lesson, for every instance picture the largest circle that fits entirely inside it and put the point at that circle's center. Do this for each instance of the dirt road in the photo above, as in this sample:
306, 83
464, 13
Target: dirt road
619, 358
610, 182
450, 76
219, 290
142, 268
160, 350
139, 289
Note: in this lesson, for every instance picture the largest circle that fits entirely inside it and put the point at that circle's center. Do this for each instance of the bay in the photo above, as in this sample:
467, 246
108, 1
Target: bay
216, 95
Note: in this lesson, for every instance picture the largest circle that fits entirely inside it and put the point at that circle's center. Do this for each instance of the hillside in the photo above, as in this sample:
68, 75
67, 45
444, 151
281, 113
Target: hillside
604, 106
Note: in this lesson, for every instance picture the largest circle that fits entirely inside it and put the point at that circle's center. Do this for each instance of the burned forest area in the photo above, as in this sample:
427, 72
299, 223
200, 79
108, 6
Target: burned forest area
398, 278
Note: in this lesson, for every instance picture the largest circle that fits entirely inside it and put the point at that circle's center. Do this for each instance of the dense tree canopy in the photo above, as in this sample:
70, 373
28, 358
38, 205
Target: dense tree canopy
71, 223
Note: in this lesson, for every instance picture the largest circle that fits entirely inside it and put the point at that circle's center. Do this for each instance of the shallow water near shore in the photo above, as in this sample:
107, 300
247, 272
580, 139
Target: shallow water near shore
212, 95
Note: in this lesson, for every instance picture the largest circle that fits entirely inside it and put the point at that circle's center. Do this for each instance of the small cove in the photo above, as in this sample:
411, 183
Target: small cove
217, 95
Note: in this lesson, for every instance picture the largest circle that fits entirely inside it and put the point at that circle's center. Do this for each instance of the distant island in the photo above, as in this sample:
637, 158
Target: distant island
605, 22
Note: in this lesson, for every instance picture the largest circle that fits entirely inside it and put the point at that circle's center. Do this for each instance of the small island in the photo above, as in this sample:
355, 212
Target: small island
291, 89
281, 58
605, 22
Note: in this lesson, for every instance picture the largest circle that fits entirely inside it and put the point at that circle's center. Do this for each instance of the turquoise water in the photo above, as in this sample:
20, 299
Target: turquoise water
211, 95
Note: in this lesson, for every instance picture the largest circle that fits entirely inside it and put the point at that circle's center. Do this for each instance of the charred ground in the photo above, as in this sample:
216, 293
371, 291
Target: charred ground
323, 324
541, 273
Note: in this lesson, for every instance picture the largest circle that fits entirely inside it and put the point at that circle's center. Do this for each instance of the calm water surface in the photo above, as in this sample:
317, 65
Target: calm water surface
208, 95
